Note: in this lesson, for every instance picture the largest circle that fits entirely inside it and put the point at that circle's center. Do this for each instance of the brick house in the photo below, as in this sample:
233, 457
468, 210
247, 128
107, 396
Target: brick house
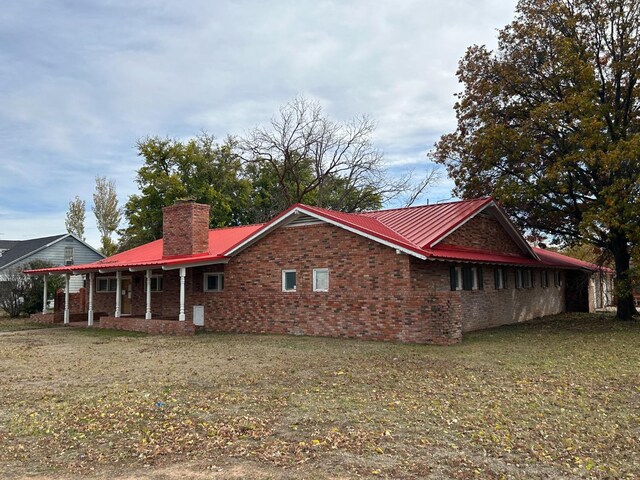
422, 274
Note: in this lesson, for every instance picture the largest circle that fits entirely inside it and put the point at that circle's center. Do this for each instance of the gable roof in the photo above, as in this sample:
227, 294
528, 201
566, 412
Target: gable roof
18, 250
416, 231
24, 248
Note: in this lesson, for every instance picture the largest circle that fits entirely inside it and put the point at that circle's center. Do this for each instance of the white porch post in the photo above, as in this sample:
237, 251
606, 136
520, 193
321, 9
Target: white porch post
44, 294
90, 309
147, 279
66, 298
183, 272
118, 293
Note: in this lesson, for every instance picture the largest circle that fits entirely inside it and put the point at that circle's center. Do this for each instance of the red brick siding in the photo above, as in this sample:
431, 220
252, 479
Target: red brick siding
185, 229
491, 308
370, 294
483, 232
164, 327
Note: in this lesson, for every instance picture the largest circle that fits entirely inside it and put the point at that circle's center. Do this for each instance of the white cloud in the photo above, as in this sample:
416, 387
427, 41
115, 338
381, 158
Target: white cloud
82, 81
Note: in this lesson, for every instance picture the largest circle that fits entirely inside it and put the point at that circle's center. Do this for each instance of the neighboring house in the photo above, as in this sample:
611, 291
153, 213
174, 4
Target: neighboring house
63, 249
421, 274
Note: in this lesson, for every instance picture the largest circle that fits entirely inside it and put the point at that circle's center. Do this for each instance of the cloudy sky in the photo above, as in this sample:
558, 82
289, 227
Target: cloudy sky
81, 82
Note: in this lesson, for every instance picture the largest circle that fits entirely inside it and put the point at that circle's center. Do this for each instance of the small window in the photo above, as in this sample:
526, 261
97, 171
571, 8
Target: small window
456, 278
68, 255
289, 281
213, 282
527, 278
518, 279
320, 279
156, 283
500, 278
557, 278
106, 284
466, 278
544, 279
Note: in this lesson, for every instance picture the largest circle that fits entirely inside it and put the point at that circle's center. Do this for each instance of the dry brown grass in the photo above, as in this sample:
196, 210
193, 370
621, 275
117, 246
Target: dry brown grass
556, 399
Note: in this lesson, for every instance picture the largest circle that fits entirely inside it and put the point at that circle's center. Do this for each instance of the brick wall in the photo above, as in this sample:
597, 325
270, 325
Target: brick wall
370, 291
483, 232
185, 229
164, 327
77, 301
491, 308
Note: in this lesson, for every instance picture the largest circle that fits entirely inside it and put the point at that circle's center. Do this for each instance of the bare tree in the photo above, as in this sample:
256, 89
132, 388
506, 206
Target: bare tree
323, 162
13, 286
108, 215
74, 222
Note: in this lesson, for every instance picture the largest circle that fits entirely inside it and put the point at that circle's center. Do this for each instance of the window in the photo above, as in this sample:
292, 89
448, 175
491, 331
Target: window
106, 284
527, 278
466, 278
500, 278
320, 279
518, 279
156, 283
213, 282
557, 278
544, 279
456, 278
289, 281
68, 255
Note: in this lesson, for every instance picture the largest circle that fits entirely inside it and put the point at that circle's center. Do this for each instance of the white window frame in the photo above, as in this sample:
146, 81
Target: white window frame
500, 277
458, 271
153, 290
109, 284
315, 283
544, 278
205, 282
284, 285
68, 255
474, 278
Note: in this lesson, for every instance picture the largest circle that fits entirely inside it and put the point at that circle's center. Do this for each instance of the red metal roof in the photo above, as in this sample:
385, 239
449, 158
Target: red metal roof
414, 230
425, 225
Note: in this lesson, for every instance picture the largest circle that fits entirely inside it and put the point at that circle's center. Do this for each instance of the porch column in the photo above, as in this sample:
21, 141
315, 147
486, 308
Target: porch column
44, 294
183, 272
147, 279
66, 298
118, 293
90, 309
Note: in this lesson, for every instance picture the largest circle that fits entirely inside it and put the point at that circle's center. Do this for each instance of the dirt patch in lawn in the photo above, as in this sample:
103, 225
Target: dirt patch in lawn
555, 399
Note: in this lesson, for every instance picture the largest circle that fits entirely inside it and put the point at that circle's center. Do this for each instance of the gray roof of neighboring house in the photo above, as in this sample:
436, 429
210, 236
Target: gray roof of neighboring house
19, 248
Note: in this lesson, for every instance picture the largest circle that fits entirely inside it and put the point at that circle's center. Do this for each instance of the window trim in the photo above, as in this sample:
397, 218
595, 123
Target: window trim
315, 284
500, 278
68, 259
544, 278
152, 277
284, 283
557, 278
108, 279
205, 282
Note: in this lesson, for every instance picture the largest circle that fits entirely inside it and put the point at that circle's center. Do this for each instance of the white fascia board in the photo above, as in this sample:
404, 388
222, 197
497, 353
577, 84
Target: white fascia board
195, 264
298, 210
503, 220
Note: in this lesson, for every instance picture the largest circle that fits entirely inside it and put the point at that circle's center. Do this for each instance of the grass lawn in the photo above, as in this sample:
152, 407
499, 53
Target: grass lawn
16, 324
555, 399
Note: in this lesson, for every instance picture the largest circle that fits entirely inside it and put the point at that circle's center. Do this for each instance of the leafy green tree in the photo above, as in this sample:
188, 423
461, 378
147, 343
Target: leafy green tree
32, 296
74, 222
199, 169
108, 215
549, 124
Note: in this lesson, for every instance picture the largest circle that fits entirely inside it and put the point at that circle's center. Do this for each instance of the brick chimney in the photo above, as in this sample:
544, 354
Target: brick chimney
185, 229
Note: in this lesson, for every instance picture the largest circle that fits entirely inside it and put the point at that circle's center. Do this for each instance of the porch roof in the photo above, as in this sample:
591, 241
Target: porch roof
149, 255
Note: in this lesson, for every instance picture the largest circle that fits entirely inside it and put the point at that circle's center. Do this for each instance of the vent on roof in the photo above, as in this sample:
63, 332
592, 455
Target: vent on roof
2, 251
303, 220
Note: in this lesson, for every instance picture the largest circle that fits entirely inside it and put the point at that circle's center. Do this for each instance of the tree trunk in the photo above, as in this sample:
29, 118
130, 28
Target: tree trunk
623, 288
